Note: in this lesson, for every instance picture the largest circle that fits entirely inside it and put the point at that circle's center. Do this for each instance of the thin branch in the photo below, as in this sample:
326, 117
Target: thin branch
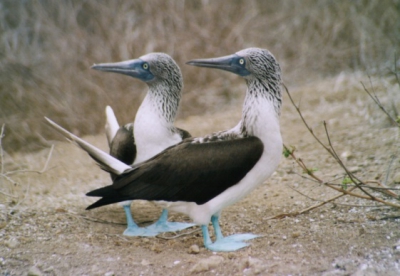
43, 170
314, 199
378, 103
333, 186
352, 177
6, 175
94, 219
330, 149
395, 69
1, 149
4, 193
322, 202
9, 179
388, 170
177, 236
23, 199
383, 188
380, 189
388, 191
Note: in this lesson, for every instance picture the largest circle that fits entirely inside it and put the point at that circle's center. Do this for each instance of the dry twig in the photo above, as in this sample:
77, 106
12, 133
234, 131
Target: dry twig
161, 236
379, 104
359, 185
94, 219
7, 175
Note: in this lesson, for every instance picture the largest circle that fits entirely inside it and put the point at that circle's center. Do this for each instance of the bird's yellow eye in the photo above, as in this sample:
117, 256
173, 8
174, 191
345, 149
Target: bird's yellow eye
145, 66
241, 61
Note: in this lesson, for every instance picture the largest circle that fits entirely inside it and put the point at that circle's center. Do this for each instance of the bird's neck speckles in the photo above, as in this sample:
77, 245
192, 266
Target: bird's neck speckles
165, 99
226, 135
269, 89
153, 126
262, 104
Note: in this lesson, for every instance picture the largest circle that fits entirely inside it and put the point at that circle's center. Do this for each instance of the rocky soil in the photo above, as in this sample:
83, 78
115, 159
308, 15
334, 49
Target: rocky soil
45, 230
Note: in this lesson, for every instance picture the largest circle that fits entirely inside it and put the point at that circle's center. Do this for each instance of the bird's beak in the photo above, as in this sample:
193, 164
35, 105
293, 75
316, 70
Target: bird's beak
131, 68
223, 63
227, 63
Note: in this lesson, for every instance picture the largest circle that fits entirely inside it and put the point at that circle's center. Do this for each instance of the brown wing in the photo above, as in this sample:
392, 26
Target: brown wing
192, 172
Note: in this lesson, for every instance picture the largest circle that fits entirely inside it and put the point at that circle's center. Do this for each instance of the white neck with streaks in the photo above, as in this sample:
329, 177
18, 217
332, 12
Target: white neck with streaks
154, 122
261, 109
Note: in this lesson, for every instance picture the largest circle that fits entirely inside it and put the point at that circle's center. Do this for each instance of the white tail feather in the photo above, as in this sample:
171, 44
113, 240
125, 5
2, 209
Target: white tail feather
105, 160
112, 125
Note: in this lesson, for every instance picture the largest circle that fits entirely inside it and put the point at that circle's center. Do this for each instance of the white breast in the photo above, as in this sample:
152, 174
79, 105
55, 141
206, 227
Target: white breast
266, 127
152, 132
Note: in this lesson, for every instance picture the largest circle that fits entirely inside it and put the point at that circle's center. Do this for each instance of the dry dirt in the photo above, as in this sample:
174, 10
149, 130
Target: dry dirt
45, 230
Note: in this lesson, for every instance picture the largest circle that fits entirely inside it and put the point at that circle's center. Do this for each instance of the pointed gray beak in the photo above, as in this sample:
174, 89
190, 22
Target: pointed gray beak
229, 63
133, 68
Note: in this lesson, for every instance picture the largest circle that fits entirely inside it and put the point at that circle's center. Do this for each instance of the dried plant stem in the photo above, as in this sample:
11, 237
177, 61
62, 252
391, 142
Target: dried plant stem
43, 170
388, 191
160, 236
388, 170
284, 215
341, 190
6, 175
9, 179
94, 219
378, 102
359, 184
4, 193
353, 178
1, 149
22, 200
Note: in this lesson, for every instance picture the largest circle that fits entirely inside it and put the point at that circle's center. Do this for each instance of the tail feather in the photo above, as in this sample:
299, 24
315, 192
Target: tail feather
103, 191
103, 159
112, 125
108, 194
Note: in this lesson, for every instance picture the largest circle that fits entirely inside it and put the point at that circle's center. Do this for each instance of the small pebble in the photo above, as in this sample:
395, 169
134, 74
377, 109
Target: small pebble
12, 243
347, 155
145, 262
207, 264
396, 246
354, 169
145, 240
295, 234
156, 248
255, 265
3, 224
49, 269
397, 178
110, 273
34, 271
194, 249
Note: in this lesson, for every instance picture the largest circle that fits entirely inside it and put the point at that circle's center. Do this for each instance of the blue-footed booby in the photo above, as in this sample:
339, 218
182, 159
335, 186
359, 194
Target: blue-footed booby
153, 129
201, 176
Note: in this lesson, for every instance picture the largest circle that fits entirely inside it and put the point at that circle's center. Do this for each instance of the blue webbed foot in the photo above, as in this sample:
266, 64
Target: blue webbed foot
236, 237
133, 229
139, 232
229, 243
225, 245
239, 237
163, 225
168, 226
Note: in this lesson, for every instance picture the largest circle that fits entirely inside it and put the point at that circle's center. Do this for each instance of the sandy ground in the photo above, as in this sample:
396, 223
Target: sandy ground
44, 229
